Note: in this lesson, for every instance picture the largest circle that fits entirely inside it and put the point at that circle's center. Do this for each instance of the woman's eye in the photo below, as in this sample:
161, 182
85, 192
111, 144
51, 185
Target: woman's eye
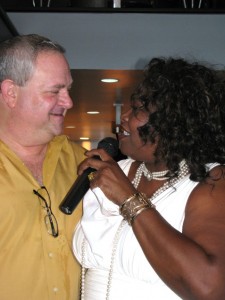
137, 108
140, 112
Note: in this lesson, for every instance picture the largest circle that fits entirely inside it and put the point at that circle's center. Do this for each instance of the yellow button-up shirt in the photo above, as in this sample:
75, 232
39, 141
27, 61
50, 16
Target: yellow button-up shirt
33, 264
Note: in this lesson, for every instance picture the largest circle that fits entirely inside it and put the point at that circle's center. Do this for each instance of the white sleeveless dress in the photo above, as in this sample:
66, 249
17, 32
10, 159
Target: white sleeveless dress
132, 277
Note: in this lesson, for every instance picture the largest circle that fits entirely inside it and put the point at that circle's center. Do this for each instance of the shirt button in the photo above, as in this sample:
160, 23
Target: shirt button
55, 289
50, 254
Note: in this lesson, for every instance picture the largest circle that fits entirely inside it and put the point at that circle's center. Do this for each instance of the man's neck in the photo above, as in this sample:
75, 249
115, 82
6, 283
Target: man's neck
31, 155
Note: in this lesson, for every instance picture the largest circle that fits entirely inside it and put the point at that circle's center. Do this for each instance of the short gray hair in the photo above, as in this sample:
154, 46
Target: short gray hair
18, 56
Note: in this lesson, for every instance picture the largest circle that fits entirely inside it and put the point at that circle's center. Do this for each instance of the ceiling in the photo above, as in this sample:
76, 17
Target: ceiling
100, 47
90, 94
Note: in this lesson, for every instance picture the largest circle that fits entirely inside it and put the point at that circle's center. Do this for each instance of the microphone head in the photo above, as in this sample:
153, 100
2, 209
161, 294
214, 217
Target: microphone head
110, 145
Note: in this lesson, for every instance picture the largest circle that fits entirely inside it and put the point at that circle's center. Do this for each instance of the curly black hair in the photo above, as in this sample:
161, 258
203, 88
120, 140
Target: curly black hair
189, 113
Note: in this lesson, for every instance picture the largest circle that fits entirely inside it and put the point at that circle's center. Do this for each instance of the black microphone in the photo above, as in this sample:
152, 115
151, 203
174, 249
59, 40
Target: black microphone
82, 183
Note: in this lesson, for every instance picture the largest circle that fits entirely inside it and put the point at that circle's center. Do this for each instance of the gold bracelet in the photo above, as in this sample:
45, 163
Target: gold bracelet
127, 200
133, 206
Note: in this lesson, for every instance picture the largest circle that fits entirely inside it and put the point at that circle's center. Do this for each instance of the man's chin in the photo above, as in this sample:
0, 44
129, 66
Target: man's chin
57, 130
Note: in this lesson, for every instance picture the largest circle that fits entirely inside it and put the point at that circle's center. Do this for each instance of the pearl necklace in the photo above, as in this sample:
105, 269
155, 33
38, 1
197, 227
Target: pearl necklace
142, 170
183, 171
113, 255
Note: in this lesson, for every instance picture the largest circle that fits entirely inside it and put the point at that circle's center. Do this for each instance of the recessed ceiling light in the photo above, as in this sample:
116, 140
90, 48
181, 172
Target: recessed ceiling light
70, 126
84, 138
109, 80
92, 112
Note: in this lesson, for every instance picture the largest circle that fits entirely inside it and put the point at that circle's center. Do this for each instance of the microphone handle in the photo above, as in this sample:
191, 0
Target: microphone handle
76, 192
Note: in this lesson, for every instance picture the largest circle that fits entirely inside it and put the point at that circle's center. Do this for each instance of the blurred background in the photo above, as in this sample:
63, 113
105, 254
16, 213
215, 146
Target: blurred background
116, 39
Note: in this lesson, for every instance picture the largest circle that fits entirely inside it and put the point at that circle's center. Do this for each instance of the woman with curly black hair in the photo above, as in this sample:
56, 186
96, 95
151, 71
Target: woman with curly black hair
154, 224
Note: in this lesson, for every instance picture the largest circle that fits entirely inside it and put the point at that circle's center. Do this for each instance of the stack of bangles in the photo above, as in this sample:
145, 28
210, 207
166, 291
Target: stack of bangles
133, 206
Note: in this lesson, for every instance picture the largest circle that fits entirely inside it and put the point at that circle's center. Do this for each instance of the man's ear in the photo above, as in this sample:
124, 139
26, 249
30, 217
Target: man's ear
9, 92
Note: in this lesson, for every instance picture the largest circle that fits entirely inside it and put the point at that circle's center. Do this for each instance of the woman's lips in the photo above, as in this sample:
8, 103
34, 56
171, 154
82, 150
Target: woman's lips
123, 133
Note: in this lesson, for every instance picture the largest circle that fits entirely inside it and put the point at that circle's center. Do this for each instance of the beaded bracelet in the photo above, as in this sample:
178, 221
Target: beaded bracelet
133, 206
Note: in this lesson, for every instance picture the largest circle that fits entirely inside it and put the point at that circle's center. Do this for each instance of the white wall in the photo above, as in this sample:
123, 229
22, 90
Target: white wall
128, 40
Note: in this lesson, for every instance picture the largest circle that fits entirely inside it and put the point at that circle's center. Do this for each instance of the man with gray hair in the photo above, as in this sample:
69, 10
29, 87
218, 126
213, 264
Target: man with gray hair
37, 167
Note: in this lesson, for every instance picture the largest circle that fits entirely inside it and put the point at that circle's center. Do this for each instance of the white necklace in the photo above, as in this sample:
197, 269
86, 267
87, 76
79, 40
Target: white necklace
113, 255
142, 170
183, 171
